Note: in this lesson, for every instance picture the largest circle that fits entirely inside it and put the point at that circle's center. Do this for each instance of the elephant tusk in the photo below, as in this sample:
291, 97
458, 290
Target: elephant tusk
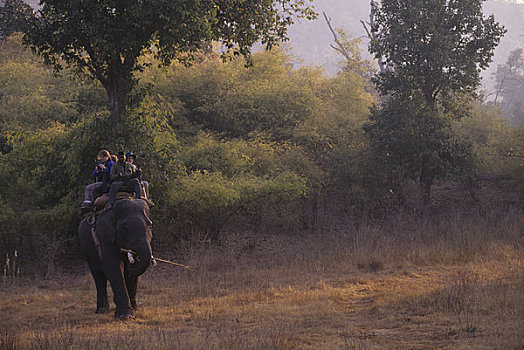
130, 255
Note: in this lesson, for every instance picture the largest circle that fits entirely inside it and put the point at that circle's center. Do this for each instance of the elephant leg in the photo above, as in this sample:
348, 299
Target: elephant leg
115, 275
102, 304
132, 286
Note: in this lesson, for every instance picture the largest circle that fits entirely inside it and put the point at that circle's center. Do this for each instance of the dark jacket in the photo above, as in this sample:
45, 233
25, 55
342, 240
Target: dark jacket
103, 175
122, 172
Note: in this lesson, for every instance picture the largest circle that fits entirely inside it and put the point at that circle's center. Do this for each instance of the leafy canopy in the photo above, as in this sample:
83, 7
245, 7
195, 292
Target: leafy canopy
435, 47
434, 51
15, 16
107, 37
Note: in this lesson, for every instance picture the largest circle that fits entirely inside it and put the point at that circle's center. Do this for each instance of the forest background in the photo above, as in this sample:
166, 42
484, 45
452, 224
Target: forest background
277, 147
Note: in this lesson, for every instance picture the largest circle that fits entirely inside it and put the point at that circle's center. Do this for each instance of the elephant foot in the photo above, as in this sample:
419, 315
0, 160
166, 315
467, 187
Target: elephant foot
102, 310
125, 316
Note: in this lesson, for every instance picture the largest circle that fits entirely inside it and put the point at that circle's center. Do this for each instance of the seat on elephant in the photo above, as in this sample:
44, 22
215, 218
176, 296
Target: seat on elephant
144, 187
101, 201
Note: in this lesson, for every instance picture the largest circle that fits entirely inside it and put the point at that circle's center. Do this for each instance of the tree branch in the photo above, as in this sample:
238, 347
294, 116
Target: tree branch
381, 64
340, 47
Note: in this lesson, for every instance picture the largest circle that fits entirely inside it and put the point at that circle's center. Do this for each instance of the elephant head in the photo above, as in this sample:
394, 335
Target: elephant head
127, 227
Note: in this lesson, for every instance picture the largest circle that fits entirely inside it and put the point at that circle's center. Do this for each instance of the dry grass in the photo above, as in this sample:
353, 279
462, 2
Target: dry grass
435, 283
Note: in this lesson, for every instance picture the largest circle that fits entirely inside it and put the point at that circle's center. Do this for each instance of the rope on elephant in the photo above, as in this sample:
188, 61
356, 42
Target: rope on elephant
174, 263
90, 218
131, 257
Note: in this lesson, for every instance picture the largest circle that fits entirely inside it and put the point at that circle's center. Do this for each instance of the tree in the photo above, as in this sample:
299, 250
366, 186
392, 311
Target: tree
349, 48
269, 98
15, 16
32, 97
106, 38
510, 86
434, 51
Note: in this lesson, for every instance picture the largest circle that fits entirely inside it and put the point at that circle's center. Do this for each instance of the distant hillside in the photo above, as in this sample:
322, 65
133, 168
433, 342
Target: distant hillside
310, 40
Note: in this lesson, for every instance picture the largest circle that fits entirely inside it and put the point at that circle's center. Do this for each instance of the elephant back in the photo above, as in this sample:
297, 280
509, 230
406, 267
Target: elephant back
101, 201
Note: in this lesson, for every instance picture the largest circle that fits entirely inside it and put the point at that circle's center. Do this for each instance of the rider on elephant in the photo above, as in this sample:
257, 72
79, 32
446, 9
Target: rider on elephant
123, 174
101, 177
144, 185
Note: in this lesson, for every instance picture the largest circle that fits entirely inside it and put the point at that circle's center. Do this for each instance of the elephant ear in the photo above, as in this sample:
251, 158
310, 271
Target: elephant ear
106, 227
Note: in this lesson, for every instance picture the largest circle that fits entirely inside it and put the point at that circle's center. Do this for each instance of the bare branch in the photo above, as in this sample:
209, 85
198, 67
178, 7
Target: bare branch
340, 47
365, 25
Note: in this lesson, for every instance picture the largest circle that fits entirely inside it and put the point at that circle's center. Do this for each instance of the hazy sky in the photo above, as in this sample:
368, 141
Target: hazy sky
310, 40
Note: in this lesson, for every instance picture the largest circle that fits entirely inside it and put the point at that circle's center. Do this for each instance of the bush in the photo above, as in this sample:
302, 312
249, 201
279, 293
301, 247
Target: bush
46, 171
227, 177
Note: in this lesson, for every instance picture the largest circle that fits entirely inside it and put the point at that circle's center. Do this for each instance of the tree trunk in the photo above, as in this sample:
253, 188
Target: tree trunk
117, 92
426, 181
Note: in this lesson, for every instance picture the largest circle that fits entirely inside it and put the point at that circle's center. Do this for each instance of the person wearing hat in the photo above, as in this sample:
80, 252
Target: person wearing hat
144, 185
130, 157
123, 173
101, 179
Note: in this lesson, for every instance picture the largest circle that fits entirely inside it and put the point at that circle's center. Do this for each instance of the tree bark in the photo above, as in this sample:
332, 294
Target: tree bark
426, 181
117, 91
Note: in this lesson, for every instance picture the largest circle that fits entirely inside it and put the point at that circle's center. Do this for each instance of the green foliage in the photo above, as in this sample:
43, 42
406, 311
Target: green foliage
489, 134
509, 93
322, 116
106, 39
435, 47
7, 226
151, 138
349, 48
52, 165
32, 97
282, 134
148, 136
224, 177
15, 16
409, 137
434, 51
38, 192
516, 168
35, 173
333, 137
498, 145
268, 97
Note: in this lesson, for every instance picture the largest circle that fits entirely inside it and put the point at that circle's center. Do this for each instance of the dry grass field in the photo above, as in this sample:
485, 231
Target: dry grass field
446, 282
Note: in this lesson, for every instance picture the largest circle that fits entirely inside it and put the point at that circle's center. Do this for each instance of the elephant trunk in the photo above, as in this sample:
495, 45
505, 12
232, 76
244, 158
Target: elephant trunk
144, 259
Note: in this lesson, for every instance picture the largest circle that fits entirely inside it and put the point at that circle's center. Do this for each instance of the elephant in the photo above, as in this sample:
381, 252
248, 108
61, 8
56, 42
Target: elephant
123, 230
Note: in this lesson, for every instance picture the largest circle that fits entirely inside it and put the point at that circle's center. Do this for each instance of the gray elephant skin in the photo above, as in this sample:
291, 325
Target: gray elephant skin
125, 226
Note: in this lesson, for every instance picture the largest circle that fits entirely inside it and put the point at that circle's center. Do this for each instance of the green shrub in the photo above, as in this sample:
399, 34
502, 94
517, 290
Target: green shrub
227, 177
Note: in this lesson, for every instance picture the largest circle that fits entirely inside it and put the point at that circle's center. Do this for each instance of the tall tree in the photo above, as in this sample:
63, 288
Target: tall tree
106, 38
509, 88
434, 51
